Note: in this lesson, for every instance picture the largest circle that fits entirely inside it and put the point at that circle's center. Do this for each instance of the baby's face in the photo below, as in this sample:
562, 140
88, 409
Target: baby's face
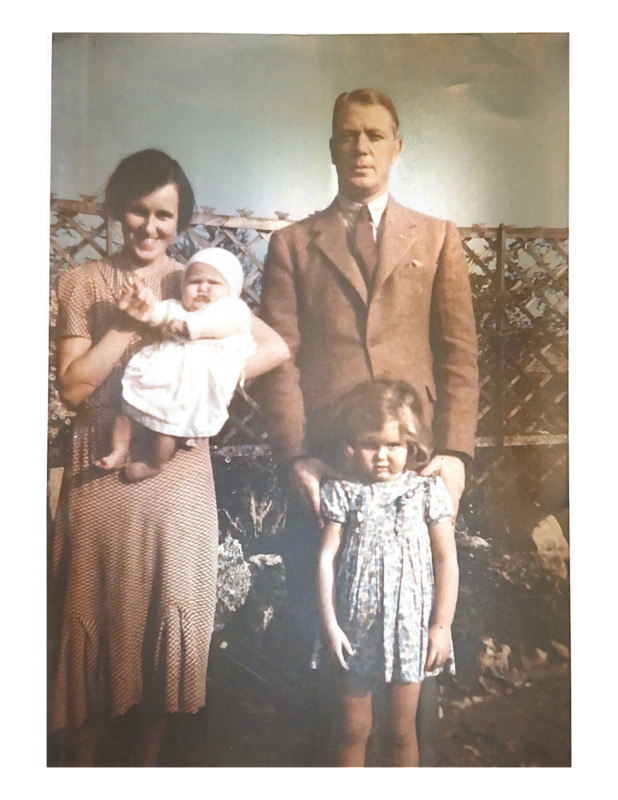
203, 284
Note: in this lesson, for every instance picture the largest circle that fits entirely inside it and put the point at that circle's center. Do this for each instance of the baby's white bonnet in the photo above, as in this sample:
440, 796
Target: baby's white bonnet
224, 262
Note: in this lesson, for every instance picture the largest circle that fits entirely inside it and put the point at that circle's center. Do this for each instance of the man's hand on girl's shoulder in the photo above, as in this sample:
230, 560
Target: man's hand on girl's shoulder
452, 470
305, 475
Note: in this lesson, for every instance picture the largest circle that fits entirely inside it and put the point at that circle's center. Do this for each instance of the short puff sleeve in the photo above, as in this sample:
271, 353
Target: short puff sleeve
438, 503
335, 502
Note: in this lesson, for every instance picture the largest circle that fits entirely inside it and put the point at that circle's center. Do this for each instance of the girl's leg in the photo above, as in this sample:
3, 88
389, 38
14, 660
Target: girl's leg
355, 730
121, 439
148, 744
164, 449
146, 748
84, 743
404, 704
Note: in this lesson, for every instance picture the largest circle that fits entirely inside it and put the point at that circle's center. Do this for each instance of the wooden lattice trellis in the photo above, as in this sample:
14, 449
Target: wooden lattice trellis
520, 286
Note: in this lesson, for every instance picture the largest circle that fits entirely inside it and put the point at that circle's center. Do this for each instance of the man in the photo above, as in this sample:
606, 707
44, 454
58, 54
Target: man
366, 289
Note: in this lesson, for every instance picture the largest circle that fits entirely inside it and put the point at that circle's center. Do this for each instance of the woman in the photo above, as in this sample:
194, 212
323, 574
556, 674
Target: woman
133, 564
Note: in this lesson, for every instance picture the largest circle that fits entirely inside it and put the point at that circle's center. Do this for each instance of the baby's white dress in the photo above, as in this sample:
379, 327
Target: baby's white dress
182, 387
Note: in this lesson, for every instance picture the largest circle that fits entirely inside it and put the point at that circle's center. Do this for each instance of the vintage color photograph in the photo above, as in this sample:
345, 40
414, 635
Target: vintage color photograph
308, 496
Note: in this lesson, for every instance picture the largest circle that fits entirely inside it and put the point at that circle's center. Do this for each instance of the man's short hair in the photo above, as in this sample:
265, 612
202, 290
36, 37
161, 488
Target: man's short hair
366, 97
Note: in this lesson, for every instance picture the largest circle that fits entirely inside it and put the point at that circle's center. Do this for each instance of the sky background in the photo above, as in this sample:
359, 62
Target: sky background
484, 117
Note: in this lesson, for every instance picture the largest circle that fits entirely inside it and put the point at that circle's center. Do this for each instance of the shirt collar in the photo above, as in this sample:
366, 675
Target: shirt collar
350, 209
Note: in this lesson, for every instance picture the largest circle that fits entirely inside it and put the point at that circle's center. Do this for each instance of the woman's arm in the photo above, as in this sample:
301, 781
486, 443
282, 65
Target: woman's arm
446, 577
82, 366
271, 350
336, 640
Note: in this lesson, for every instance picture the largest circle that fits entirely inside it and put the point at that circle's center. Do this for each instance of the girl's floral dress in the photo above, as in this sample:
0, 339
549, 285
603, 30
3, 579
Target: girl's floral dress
384, 586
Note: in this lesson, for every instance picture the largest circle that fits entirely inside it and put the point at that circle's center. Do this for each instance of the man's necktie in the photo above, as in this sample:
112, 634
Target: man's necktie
365, 245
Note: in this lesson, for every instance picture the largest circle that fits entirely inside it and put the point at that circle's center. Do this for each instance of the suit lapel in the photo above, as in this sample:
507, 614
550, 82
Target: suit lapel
398, 236
330, 236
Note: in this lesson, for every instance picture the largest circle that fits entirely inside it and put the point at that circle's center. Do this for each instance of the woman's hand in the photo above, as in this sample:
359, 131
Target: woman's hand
82, 365
136, 299
439, 646
338, 644
175, 328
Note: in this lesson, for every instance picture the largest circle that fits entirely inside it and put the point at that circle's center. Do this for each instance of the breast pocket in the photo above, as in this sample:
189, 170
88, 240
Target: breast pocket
412, 279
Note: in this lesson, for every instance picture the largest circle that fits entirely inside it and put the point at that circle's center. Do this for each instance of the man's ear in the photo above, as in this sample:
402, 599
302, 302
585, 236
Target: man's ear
398, 151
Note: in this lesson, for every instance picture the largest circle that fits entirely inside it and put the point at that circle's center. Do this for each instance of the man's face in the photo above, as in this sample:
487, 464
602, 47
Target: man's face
363, 148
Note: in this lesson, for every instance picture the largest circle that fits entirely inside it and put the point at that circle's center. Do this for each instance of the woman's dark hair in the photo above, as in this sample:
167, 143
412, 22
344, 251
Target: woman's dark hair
140, 174
370, 405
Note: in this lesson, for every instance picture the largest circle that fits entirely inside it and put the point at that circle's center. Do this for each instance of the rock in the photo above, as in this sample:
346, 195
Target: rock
491, 685
464, 703
538, 658
474, 542
497, 675
551, 545
561, 649
494, 659
268, 591
262, 560
233, 580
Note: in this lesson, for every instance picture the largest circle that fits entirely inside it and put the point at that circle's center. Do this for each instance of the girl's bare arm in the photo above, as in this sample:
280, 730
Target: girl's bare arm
271, 350
446, 577
82, 366
336, 639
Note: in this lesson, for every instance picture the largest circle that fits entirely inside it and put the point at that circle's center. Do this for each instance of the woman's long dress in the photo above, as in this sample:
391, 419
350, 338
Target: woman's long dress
133, 566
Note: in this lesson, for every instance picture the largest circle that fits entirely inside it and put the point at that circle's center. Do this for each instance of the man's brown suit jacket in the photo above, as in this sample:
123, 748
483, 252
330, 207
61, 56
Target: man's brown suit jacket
415, 323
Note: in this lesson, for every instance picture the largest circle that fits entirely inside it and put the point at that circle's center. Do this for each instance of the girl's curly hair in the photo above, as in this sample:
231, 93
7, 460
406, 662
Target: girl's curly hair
372, 404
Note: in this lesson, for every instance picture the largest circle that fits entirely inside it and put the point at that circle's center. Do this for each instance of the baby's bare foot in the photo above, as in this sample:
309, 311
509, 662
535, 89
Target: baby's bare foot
140, 471
112, 461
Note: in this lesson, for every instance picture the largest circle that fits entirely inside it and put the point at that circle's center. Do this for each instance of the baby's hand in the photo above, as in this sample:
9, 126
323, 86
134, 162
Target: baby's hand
337, 642
439, 647
136, 299
176, 328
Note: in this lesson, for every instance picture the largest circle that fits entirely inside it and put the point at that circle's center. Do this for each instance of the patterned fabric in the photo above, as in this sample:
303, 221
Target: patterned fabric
133, 566
384, 587
183, 387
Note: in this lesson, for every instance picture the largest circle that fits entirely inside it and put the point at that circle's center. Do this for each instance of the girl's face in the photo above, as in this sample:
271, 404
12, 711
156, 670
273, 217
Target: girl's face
149, 225
203, 284
382, 455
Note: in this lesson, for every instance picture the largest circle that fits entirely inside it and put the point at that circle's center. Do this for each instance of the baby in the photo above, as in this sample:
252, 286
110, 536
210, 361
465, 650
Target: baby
181, 387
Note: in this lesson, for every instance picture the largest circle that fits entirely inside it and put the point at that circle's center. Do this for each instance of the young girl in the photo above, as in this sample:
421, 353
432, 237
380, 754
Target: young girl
182, 386
387, 568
